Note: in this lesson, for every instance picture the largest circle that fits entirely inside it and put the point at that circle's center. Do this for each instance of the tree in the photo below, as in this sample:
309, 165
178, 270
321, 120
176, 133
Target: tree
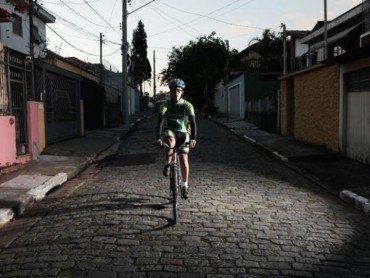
270, 47
201, 64
140, 66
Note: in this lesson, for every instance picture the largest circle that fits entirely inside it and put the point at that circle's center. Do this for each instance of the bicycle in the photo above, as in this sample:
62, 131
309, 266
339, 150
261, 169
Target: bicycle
175, 177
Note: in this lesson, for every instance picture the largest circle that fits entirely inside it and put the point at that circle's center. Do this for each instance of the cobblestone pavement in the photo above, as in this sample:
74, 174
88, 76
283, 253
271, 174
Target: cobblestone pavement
247, 216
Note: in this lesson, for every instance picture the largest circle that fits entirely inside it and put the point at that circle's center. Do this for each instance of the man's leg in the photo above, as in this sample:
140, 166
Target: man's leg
184, 164
171, 141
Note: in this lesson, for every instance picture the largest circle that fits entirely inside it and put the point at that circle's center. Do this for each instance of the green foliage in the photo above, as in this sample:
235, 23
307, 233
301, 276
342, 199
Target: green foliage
201, 64
140, 65
209, 109
270, 44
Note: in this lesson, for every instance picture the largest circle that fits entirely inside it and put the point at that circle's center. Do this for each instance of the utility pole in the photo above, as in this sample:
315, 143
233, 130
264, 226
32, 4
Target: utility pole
124, 96
154, 81
325, 32
284, 49
226, 80
30, 7
101, 58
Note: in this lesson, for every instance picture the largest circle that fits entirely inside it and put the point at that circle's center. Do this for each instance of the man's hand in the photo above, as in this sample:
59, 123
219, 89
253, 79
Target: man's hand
158, 142
193, 142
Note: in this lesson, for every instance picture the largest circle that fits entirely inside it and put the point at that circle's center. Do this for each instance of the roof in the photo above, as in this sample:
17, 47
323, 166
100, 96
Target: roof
351, 17
297, 33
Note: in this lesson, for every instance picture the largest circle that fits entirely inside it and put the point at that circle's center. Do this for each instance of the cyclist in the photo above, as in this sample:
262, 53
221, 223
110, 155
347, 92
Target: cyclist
176, 116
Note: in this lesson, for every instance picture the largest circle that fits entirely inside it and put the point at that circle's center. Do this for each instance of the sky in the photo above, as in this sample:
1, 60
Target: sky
174, 23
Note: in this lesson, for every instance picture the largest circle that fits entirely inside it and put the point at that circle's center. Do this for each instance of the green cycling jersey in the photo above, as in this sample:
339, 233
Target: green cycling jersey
177, 114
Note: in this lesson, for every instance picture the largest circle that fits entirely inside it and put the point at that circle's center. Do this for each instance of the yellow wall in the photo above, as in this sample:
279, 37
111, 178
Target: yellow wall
316, 106
72, 68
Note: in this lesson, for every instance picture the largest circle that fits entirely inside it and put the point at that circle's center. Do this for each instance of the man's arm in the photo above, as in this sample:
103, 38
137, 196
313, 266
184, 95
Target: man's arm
159, 126
193, 127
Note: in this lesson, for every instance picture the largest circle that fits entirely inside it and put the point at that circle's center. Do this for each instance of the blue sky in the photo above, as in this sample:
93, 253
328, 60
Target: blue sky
171, 23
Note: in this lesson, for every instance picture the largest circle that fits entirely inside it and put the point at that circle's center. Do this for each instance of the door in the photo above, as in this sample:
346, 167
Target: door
235, 102
357, 121
358, 126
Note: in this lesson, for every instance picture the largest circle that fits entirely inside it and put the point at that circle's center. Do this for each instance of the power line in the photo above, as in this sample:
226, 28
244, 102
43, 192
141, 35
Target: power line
177, 26
75, 27
74, 3
79, 14
83, 51
209, 17
101, 17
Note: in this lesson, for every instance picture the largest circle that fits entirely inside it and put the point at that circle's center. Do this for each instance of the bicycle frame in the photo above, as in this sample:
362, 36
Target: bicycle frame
175, 177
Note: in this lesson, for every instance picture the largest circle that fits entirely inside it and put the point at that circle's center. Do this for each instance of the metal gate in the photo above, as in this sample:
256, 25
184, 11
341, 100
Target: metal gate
62, 104
16, 77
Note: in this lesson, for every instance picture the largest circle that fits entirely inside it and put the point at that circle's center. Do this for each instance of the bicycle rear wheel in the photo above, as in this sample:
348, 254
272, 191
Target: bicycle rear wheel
174, 188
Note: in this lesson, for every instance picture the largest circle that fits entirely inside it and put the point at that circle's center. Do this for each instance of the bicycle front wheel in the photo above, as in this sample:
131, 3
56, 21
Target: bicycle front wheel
174, 188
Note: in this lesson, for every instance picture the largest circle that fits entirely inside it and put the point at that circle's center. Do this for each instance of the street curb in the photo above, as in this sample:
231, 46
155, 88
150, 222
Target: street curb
357, 201
6, 215
39, 192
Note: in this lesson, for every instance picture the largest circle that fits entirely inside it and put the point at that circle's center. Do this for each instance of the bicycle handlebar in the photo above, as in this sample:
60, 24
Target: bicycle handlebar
165, 145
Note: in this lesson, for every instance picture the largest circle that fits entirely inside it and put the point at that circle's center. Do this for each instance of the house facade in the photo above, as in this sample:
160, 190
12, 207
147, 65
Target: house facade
21, 112
326, 101
47, 99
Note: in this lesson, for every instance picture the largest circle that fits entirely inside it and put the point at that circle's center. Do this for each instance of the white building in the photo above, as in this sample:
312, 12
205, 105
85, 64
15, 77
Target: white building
15, 32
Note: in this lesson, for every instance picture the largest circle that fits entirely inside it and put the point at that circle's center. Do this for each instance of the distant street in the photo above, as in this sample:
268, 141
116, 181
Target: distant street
246, 216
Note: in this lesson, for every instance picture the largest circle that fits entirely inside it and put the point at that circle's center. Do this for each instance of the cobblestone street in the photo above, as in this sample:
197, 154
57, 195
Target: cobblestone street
246, 216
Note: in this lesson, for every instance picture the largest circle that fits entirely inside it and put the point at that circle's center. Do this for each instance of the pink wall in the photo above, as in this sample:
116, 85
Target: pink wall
35, 128
36, 136
7, 141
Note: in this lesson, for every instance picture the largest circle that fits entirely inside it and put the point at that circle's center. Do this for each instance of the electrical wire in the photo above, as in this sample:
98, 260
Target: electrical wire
80, 15
74, 3
177, 26
83, 51
206, 16
101, 17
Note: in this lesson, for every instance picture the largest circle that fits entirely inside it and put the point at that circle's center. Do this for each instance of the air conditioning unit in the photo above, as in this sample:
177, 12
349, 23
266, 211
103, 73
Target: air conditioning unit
365, 39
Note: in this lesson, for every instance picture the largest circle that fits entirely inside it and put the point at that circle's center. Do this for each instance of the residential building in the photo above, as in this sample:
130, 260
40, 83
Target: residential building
20, 108
326, 100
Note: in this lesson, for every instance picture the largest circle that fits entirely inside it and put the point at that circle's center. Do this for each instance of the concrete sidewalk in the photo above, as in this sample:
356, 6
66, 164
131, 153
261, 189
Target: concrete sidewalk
58, 163
347, 179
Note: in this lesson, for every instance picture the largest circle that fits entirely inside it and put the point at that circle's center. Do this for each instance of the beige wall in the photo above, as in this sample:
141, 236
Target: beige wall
316, 106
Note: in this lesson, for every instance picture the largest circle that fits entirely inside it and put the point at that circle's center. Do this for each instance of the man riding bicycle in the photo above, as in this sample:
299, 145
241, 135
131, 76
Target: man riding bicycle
177, 114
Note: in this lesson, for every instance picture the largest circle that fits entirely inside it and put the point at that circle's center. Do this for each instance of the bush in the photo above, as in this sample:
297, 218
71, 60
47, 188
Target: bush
209, 109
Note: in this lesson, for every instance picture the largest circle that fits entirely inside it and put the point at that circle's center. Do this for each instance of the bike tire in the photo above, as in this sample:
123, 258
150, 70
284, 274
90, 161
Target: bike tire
174, 187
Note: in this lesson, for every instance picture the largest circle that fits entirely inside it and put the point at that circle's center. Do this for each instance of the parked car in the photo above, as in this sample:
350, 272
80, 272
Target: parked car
150, 105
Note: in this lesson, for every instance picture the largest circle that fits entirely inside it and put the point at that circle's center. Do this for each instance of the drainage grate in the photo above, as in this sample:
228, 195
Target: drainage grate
122, 160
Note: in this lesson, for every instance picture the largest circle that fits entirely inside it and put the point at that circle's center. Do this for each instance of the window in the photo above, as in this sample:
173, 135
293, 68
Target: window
36, 35
358, 81
17, 25
338, 50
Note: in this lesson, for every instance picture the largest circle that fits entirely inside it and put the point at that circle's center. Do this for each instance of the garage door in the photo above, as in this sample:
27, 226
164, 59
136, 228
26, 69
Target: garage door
235, 102
358, 117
